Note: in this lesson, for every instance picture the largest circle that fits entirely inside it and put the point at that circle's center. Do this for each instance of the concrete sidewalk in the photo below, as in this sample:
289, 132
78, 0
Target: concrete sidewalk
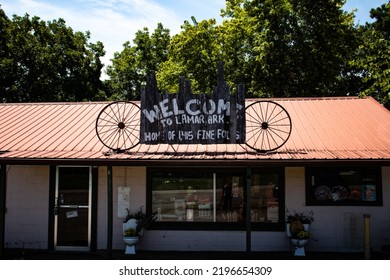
15, 254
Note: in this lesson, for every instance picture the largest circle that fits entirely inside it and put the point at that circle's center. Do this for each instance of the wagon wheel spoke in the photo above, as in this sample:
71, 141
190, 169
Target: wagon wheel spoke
117, 125
268, 126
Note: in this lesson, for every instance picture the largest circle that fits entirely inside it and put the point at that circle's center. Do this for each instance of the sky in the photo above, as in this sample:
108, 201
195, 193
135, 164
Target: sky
113, 22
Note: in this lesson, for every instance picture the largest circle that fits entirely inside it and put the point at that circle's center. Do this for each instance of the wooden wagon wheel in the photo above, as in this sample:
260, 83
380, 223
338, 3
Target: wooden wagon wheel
268, 126
117, 125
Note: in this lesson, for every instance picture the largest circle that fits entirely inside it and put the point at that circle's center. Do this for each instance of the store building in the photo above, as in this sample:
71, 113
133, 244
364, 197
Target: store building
61, 188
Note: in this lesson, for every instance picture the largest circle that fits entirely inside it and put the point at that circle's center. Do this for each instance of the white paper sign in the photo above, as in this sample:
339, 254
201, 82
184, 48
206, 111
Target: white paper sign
123, 201
72, 214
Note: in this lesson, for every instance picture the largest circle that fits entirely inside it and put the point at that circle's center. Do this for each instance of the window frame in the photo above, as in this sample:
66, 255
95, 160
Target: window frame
361, 168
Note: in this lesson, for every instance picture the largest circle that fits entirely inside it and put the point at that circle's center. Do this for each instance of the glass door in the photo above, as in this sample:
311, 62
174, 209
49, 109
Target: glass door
73, 209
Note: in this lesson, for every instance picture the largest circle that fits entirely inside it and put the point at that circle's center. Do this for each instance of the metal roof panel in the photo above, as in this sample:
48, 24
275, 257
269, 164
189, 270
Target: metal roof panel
323, 128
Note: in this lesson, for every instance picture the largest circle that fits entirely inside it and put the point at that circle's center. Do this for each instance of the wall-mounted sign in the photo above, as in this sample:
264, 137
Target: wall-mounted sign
186, 118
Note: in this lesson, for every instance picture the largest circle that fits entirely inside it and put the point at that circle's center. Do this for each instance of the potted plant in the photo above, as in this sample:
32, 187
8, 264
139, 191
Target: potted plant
298, 230
299, 240
133, 226
142, 221
300, 216
302, 235
297, 222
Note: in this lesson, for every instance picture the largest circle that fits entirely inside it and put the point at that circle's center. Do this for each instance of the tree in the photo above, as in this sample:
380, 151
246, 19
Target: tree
47, 61
237, 45
278, 48
131, 66
194, 54
301, 47
373, 56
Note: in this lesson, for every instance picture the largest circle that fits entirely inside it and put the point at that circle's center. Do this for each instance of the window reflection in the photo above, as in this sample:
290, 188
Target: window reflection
265, 198
197, 196
343, 186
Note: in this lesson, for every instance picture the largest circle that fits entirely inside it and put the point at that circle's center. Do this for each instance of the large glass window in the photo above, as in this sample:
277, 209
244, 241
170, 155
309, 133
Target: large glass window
343, 186
186, 195
217, 198
265, 197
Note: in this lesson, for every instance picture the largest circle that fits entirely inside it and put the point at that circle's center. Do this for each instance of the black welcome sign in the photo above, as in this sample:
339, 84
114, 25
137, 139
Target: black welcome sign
187, 118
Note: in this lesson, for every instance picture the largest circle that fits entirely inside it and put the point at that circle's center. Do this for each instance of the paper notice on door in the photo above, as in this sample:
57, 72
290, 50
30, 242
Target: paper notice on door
72, 214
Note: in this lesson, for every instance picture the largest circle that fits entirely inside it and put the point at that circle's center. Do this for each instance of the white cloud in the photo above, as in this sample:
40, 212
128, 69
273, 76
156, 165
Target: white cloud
114, 22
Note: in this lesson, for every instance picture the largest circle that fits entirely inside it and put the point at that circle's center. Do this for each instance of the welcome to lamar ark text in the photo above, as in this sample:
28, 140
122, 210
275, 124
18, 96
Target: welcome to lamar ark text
193, 112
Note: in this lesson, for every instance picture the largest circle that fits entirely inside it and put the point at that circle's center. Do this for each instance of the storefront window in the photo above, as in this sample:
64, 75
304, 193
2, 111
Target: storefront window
343, 186
187, 195
230, 198
265, 199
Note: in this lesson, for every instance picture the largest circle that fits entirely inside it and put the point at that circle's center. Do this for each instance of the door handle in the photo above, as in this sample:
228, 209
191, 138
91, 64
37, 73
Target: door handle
58, 202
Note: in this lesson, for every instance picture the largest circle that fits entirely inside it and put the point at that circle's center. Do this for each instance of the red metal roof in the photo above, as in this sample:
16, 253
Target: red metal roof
344, 128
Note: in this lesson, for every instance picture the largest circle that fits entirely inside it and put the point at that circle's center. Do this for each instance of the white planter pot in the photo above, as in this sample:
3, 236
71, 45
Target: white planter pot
299, 246
299, 242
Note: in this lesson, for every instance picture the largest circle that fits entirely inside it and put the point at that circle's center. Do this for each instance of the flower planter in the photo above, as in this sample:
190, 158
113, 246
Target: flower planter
288, 231
299, 242
130, 244
299, 246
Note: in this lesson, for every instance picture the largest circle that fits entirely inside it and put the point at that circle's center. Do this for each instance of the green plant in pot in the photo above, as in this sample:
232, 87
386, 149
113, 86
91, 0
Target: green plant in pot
296, 224
143, 221
302, 235
300, 216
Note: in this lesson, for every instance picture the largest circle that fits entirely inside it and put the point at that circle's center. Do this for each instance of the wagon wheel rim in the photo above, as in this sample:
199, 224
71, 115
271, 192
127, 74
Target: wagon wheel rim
268, 126
117, 125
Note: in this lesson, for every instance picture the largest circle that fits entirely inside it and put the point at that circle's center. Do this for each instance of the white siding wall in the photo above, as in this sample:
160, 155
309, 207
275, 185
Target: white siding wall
133, 177
27, 202
340, 228
334, 229
193, 240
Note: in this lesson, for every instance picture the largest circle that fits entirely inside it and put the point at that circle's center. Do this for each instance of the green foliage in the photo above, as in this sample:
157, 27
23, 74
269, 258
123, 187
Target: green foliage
143, 221
193, 53
373, 56
302, 235
237, 40
131, 66
47, 61
300, 47
277, 48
